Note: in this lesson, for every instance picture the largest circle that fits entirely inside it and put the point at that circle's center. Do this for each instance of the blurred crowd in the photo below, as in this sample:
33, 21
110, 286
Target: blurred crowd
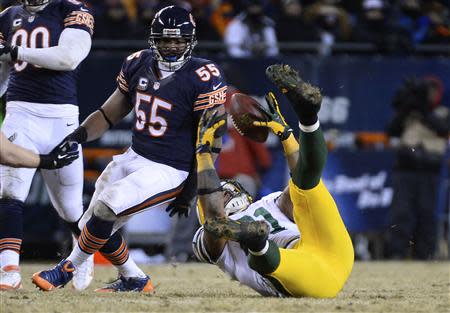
254, 27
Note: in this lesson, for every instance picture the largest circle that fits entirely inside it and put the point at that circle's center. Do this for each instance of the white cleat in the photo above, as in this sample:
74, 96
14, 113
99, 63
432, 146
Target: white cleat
83, 275
10, 278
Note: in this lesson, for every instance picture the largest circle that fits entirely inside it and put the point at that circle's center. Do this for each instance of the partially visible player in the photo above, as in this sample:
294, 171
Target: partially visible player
43, 41
168, 90
15, 156
290, 243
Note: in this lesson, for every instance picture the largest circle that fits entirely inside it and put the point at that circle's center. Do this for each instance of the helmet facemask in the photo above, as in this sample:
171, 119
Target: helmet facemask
34, 6
236, 198
172, 50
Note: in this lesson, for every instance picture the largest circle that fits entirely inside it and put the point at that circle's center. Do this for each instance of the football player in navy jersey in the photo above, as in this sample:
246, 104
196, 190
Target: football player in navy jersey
43, 42
168, 90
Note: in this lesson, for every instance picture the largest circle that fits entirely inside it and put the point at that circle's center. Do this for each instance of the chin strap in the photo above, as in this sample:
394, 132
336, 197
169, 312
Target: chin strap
170, 66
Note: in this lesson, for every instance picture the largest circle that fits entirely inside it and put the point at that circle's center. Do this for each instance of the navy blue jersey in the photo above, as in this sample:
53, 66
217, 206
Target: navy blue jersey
18, 27
167, 110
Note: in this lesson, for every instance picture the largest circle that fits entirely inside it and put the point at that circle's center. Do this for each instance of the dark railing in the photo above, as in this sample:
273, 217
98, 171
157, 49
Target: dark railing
285, 47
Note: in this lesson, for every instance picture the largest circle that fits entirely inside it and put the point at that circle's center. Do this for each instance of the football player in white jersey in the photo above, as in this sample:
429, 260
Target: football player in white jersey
290, 243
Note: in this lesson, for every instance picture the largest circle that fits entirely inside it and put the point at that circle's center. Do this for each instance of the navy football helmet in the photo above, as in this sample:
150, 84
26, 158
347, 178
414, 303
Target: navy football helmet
35, 5
172, 37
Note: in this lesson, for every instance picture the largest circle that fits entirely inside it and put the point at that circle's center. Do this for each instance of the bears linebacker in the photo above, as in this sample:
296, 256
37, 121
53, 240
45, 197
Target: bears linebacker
168, 89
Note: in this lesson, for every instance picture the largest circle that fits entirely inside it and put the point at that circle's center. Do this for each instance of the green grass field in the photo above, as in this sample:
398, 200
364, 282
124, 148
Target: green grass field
372, 287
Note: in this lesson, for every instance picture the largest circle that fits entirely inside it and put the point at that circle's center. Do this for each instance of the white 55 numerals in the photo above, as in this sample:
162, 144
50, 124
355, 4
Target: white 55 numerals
156, 125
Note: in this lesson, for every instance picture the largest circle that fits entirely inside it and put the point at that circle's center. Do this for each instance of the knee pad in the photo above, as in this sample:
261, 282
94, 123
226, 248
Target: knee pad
70, 213
104, 212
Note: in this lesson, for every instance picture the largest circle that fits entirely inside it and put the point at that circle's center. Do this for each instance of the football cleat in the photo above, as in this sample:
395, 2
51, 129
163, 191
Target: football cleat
252, 235
305, 98
10, 278
54, 278
126, 284
83, 275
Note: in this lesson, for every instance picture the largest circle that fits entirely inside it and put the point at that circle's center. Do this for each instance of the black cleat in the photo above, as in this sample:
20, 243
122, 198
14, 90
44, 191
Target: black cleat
304, 97
253, 235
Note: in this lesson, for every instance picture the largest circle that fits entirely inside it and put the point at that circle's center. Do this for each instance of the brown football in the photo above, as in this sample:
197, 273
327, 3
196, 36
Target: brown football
244, 111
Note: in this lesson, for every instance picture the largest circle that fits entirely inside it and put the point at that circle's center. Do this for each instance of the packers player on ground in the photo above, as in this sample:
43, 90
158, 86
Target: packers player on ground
259, 243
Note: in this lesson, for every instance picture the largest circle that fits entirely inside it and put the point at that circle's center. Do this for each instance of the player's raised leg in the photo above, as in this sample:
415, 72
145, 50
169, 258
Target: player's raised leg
323, 259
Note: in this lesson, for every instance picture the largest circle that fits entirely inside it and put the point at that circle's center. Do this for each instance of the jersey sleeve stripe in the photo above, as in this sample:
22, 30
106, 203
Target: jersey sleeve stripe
123, 87
210, 105
80, 18
199, 248
202, 95
201, 101
291, 242
121, 77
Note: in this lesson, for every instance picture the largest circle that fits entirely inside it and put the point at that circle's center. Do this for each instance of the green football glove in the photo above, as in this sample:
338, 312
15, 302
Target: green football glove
276, 120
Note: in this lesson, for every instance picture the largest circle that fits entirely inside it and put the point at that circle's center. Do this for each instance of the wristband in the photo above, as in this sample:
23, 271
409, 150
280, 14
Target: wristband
207, 191
80, 135
46, 162
14, 53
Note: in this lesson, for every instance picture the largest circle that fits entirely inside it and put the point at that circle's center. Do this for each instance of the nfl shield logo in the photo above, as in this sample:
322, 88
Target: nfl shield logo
31, 18
156, 85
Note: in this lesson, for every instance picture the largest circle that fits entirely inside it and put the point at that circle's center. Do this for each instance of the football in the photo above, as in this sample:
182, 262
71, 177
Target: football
244, 111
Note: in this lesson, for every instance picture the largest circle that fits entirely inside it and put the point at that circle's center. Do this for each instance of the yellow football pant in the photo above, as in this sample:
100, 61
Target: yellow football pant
319, 265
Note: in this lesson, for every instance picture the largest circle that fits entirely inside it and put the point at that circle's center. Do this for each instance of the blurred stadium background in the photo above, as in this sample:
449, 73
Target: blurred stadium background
358, 52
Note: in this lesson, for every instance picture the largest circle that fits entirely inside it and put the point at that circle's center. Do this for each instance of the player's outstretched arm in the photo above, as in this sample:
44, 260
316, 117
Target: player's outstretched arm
15, 156
96, 124
277, 124
211, 126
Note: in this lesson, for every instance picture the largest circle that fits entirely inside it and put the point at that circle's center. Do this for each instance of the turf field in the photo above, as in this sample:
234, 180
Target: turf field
373, 287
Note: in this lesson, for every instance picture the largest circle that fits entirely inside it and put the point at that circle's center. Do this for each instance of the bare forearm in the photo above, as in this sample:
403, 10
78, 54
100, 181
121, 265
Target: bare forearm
15, 156
95, 125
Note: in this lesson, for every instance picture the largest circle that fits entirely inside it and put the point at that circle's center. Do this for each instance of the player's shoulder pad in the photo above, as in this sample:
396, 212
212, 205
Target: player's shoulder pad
206, 71
10, 10
134, 60
75, 5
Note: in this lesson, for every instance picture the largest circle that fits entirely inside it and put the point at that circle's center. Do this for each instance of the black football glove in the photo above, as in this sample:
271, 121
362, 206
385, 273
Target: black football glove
187, 199
8, 53
58, 158
78, 136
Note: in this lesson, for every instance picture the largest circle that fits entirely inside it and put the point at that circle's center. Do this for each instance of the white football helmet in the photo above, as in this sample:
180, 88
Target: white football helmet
236, 198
